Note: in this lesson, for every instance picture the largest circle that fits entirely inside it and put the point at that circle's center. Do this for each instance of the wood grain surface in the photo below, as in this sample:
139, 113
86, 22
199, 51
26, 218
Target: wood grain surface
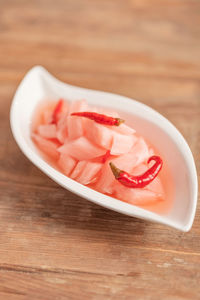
53, 244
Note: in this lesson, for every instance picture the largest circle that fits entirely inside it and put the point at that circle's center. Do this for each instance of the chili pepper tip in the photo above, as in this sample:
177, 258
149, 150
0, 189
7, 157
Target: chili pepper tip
155, 158
115, 170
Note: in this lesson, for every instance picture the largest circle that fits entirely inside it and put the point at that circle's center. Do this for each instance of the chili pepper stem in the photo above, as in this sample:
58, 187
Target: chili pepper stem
115, 170
119, 121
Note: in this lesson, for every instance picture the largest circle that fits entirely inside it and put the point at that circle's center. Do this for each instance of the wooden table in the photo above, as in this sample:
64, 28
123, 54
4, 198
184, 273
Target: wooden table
53, 244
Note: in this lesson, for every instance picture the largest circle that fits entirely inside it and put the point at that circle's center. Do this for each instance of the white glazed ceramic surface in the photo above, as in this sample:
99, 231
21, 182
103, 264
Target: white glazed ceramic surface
38, 84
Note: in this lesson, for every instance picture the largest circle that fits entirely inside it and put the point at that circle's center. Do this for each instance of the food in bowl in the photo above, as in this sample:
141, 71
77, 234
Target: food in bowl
95, 147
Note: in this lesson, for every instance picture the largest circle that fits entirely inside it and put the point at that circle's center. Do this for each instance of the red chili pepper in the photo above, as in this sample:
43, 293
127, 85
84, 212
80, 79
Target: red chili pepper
99, 118
142, 180
56, 111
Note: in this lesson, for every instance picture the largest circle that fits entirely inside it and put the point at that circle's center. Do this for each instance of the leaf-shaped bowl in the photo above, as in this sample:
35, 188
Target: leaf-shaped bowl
38, 84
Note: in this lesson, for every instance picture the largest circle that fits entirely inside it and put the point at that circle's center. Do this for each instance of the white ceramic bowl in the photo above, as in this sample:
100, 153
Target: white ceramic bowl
38, 84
